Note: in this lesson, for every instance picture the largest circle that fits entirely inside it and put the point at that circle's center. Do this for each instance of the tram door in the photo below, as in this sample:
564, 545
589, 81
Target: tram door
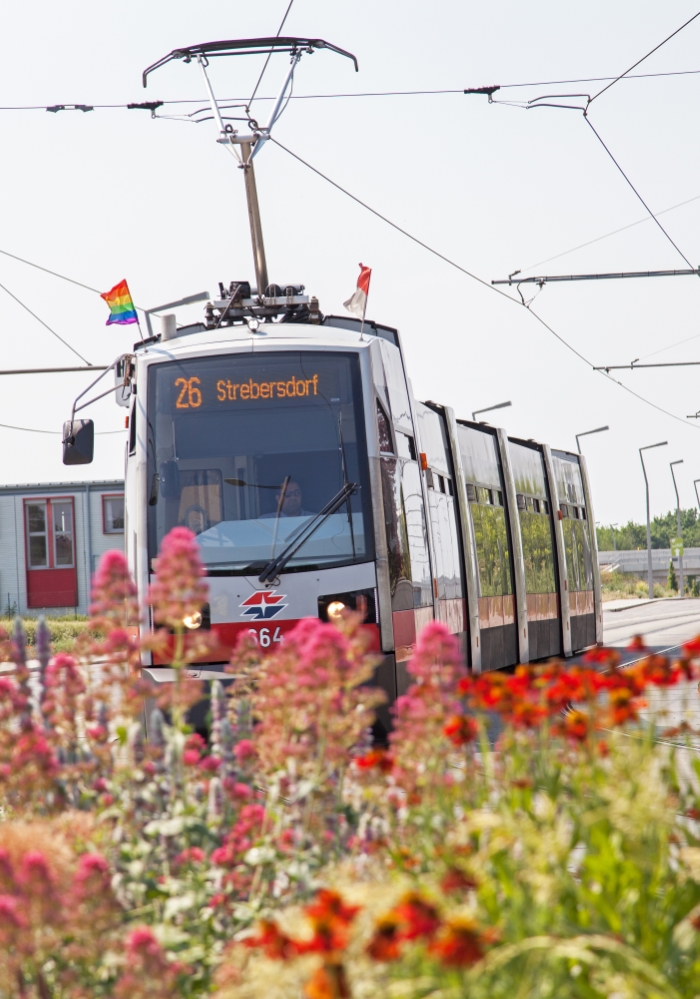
577, 527
535, 515
411, 584
486, 497
448, 579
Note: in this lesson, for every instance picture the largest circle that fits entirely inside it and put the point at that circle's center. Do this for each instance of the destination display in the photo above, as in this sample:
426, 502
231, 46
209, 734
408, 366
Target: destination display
189, 393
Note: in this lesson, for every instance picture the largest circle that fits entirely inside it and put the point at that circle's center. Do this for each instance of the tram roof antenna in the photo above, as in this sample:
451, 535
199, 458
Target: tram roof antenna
252, 143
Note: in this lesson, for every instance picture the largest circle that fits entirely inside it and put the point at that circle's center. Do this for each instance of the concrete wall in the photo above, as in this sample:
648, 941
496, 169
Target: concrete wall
637, 562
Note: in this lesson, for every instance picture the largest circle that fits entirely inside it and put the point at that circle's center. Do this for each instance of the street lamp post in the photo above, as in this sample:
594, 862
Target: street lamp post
646, 483
499, 405
598, 430
681, 588
695, 483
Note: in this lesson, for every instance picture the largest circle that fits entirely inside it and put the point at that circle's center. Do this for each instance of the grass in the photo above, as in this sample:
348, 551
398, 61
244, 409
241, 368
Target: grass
627, 586
64, 631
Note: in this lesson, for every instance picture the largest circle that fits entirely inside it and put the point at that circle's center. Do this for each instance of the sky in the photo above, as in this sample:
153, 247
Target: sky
113, 193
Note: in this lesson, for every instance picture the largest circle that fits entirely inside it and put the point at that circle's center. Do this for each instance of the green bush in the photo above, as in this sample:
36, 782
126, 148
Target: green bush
64, 630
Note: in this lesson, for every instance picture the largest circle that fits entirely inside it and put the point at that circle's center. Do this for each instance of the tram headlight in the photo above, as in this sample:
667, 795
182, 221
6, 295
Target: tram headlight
193, 621
332, 606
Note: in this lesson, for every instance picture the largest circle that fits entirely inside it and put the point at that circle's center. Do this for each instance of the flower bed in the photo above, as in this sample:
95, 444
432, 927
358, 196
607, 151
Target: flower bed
287, 856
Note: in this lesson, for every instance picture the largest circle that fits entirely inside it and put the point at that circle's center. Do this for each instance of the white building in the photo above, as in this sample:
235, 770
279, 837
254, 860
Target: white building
52, 535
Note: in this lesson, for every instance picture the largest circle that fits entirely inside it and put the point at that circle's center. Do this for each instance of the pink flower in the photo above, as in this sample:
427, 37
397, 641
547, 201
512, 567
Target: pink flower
142, 942
93, 877
178, 590
191, 855
421, 740
10, 917
244, 750
34, 869
113, 591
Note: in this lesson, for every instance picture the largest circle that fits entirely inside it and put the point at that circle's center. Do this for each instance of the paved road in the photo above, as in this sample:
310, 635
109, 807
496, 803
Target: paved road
662, 623
665, 625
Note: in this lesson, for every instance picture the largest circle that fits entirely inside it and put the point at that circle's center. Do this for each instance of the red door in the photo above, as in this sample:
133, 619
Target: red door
52, 579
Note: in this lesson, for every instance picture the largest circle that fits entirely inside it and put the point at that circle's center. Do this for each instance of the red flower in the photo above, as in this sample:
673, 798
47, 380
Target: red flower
636, 644
457, 880
378, 758
461, 730
418, 917
692, 648
276, 945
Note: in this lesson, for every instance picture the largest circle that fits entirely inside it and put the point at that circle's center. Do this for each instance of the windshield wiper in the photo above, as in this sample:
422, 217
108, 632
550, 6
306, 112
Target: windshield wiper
304, 533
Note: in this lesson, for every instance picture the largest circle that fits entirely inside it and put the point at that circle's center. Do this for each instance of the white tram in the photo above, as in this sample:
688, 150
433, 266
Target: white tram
290, 443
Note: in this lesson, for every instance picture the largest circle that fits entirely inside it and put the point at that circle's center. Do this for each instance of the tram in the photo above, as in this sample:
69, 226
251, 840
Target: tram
291, 444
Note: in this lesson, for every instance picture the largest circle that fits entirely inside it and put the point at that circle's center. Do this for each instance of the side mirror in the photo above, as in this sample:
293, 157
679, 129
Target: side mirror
169, 480
78, 442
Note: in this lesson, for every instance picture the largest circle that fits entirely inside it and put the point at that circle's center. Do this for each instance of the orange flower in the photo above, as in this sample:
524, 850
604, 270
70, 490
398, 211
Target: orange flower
385, 942
461, 943
576, 725
331, 919
328, 982
636, 644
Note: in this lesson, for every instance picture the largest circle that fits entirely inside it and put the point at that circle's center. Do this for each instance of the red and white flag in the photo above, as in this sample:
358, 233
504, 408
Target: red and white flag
357, 304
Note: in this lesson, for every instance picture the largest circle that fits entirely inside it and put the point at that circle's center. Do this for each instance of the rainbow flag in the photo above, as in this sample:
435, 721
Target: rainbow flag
121, 305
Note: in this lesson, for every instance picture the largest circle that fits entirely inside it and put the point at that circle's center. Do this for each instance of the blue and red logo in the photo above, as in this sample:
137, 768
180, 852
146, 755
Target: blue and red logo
263, 605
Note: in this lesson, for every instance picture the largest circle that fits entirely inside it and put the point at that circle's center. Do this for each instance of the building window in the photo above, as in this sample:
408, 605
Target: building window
36, 535
113, 514
50, 535
62, 517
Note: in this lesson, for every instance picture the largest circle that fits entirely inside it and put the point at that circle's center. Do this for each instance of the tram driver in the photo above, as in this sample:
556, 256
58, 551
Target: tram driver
289, 502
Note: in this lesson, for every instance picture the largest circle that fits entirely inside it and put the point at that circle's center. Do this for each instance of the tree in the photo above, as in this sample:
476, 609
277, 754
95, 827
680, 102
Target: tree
672, 582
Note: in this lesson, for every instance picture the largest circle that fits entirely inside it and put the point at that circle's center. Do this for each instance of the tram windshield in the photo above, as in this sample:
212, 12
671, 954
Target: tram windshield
251, 451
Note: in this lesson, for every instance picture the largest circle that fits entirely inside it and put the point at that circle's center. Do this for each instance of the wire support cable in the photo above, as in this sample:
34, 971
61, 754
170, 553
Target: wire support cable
269, 54
45, 325
607, 150
481, 281
590, 242
640, 61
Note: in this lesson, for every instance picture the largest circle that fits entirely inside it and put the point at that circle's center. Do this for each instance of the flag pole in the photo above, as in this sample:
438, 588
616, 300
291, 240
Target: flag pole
364, 311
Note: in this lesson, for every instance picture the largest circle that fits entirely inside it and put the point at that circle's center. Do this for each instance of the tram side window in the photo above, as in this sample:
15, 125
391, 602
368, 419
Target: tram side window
578, 554
491, 537
538, 550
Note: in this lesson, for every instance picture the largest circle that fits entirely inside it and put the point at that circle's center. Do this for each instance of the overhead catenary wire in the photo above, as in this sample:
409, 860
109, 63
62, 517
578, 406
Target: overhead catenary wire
153, 105
475, 277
